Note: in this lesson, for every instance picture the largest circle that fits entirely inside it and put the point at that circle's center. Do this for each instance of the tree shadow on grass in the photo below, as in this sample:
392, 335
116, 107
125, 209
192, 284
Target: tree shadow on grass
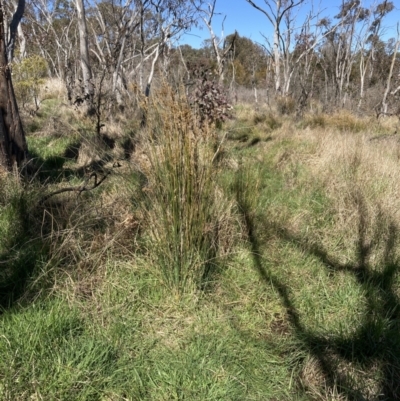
20, 251
16, 268
376, 342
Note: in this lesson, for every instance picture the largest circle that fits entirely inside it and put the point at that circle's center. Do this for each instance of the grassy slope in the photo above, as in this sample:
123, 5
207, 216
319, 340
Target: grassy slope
305, 308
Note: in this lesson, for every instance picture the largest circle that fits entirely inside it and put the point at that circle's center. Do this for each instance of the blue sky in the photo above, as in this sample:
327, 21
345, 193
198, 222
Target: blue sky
249, 22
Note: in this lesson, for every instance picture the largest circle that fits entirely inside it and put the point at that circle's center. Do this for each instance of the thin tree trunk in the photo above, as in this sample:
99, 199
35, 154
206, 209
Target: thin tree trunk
88, 87
13, 148
151, 75
384, 107
277, 59
148, 86
232, 86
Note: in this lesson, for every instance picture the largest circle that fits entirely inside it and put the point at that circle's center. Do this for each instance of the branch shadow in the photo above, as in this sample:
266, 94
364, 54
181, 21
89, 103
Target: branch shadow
372, 342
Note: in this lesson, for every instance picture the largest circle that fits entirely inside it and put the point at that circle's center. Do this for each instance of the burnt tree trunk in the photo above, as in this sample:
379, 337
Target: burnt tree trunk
13, 148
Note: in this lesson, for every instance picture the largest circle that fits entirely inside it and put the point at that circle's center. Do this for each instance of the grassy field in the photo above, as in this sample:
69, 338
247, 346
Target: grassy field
256, 262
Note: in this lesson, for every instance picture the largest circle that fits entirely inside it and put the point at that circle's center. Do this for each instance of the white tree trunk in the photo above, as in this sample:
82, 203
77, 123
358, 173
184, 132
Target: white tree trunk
277, 57
384, 107
88, 87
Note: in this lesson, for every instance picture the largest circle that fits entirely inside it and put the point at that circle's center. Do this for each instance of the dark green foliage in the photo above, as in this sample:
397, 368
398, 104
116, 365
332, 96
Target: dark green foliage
28, 77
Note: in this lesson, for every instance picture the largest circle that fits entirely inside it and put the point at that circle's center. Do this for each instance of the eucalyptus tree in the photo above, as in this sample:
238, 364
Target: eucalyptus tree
114, 27
372, 38
13, 147
276, 12
220, 47
87, 76
384, 104
168, 20
343, 46
51, 28
130, 36
248, 61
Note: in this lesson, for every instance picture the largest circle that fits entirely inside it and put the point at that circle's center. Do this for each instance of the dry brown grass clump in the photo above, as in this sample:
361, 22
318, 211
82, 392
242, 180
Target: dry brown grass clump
82, 233
53, 88
285, 105
342, 121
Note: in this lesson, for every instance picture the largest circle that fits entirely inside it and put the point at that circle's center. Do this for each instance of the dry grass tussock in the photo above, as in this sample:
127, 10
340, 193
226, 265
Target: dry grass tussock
82, 233
53, 88
67, 238
343, 121
188, 217
245, 111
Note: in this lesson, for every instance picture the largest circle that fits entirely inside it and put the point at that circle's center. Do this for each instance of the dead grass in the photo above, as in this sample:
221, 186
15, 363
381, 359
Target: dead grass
342, 121
53, 88
361, 178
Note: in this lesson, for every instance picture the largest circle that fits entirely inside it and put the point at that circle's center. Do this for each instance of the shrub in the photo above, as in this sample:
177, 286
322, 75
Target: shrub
29, 75
345, 121
315, 121
209, 100
259, 118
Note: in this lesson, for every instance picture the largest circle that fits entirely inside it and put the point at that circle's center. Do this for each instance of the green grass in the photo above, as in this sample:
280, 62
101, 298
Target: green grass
304, 304
51, 149
48, 353
20, 247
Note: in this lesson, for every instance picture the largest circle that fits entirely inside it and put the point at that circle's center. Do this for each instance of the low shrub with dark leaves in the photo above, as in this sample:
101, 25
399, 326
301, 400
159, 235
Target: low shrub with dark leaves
208, 99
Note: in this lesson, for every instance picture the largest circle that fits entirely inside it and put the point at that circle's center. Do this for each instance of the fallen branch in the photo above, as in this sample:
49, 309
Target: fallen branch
79, 189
